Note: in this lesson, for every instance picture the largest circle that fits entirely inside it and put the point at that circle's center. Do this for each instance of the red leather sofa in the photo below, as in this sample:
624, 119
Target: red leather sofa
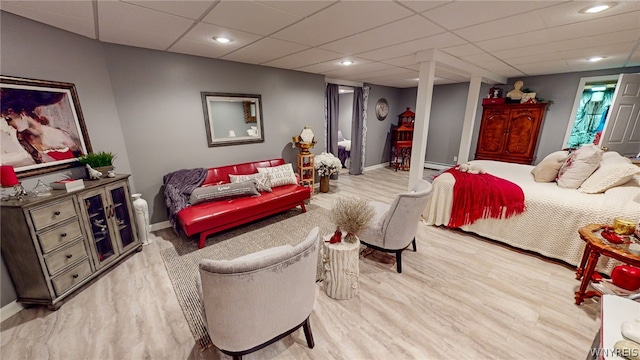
214, 216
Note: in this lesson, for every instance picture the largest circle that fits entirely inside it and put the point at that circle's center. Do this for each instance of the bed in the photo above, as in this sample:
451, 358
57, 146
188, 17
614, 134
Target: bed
344, 149
553, 215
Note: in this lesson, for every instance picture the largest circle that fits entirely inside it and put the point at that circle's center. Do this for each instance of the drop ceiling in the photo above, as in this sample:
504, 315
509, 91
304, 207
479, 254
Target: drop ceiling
382, 38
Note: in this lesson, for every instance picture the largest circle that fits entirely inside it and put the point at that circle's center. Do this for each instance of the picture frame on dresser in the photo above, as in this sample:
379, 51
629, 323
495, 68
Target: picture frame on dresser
43, 128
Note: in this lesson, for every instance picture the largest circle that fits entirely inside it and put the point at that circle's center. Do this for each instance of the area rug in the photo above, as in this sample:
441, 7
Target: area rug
181, 260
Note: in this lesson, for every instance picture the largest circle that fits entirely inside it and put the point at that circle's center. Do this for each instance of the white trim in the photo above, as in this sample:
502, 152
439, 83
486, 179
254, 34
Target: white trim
373, 167
9, 310
576, 102
437, 166
159, 226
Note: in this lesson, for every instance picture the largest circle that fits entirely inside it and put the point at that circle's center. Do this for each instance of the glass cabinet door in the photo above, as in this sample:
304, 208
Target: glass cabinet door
97, 213
122, 217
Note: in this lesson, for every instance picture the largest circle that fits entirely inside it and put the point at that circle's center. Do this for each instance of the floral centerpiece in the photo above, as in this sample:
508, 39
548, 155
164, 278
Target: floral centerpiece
326, 164
352, 215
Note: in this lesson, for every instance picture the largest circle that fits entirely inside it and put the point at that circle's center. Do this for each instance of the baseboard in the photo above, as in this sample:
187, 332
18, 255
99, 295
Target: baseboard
9, 310
159, 226
373, 167
437, 166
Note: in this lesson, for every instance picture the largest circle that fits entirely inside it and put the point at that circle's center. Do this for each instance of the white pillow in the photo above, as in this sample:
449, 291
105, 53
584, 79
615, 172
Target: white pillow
280, 175
612, 157
547, 170
262, 180
579, 166
608, 176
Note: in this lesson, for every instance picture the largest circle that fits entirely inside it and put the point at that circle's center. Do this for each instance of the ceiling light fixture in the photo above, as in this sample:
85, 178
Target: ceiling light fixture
595, 58
346, 62
222, 40
593, 9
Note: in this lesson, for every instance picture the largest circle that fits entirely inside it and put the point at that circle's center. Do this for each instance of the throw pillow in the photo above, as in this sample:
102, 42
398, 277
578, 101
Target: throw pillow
547, 170
608, 176
579, 166
262, 180
280, 175
223, 192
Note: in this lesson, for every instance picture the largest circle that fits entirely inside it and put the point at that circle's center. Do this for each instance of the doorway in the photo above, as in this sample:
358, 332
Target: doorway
590, 109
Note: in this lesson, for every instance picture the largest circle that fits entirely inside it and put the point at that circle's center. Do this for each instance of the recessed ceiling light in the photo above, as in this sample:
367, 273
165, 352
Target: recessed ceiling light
593, 9
346, 62
222, 40
595, 58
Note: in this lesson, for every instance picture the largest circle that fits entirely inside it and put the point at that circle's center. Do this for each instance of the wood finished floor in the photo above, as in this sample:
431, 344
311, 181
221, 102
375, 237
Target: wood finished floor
459, 297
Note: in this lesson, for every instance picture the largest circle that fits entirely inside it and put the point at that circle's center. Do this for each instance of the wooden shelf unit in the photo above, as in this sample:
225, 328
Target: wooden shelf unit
306, 170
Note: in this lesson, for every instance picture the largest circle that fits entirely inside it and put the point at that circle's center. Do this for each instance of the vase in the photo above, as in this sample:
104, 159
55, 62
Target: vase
142, 218
324, 184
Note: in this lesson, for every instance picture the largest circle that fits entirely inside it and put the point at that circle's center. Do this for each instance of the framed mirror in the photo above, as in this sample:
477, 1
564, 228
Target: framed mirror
232, 119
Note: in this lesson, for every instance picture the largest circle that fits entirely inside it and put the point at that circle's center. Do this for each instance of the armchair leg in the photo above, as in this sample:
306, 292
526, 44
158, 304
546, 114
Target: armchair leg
414, 245
399, 261
236, 357
306, 326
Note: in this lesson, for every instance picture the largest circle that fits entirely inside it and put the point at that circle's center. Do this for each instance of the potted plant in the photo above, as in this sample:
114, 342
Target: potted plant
326, 164
101, 161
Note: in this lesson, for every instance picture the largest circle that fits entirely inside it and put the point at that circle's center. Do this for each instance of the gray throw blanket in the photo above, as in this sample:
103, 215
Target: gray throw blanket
178, 186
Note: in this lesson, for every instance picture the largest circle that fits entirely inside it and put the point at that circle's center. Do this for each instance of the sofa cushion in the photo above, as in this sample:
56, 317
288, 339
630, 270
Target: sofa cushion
222, 192
547, 170
262, 180
280, 175
579, 166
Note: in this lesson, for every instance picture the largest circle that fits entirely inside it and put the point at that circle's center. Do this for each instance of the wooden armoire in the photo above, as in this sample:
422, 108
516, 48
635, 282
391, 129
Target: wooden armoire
510, 132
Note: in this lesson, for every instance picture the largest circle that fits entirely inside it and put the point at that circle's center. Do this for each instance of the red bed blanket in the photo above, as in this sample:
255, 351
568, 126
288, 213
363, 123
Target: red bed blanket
482, 196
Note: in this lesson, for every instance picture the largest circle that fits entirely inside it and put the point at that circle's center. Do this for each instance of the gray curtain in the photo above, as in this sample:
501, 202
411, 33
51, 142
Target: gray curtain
357, 133
332, 98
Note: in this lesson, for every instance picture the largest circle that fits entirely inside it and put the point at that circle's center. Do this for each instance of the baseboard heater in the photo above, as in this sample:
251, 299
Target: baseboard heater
436, 166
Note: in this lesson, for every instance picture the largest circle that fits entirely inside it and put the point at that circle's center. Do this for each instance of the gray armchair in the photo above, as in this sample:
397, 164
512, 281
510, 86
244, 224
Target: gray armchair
394, 226
255, 300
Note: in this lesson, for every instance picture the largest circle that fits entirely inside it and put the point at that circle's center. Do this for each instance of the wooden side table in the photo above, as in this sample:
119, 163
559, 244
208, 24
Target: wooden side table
341, 267
595, 247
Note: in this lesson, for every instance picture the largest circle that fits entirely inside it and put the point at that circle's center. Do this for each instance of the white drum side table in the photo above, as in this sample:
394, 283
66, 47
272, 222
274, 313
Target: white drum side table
341, 269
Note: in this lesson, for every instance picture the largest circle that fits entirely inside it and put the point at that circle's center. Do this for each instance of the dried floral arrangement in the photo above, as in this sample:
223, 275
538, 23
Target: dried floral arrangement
327, 164
352, 215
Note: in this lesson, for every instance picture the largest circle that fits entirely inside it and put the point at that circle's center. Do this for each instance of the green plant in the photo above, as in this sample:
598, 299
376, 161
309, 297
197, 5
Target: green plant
98, 159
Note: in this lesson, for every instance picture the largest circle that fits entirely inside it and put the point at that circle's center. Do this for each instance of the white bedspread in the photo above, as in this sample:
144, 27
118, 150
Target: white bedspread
549, 225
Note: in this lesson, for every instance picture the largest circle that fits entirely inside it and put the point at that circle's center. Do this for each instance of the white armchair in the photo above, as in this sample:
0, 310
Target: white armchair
394, 226
255, 300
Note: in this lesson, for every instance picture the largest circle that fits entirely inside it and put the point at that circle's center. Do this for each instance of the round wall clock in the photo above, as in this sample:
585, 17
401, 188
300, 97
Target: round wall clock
382, 109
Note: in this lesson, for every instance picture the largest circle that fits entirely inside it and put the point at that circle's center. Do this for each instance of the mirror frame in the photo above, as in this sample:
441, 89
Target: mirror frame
246, 100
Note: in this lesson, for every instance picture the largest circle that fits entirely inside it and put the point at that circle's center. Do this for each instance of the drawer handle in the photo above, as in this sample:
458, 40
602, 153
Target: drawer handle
63, 235
75, 276
56, 213
69, 256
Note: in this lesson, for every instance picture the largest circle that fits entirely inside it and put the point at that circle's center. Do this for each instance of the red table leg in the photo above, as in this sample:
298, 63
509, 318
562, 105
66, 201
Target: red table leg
585, 256
582, 294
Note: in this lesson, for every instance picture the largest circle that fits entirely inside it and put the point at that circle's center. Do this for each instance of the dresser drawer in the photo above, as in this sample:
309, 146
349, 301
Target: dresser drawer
52, 214
57, 237
71, 277
58, 260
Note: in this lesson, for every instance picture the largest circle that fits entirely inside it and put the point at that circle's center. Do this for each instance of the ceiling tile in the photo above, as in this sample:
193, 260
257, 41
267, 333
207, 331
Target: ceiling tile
71, 16
517, 24
412, 47
304, 58
189, 9
341, 20
333, 65
414, 27
499, 67
249, 16
264, 50
407, 60
420, 6
198, 41
569, 12
547, 67
132, 25
475, 58
359, 69
300, 8
460, 14
462, 50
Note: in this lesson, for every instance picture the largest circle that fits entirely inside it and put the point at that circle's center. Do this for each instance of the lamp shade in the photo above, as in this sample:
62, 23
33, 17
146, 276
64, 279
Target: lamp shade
8, 176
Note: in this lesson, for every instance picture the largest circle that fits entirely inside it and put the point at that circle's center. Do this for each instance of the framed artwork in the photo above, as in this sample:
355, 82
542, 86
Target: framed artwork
42, 127
528, 98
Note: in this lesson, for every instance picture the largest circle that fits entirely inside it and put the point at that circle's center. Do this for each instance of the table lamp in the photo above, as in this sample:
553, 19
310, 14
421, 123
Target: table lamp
8, 178
305, 140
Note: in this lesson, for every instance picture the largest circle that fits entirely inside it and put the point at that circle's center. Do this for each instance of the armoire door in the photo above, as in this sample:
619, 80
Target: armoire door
523, 133
491, 140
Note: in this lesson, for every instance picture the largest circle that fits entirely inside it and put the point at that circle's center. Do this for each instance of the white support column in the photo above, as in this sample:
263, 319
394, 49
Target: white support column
469, 119
421, 125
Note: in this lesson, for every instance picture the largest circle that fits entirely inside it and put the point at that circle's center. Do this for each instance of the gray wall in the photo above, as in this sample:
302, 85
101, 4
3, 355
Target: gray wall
378, 136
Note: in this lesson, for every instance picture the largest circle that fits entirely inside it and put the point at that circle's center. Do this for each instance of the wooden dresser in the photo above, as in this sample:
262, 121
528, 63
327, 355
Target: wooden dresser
402, 141
53, 245
510, 132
